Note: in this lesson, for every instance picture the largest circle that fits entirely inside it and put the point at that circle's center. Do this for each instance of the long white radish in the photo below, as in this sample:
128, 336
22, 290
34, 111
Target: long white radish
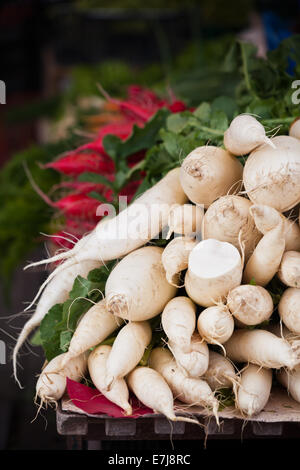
294, 130
251, 305
195, 362
185, 220
289, 270
289, 309
282, 331
153, 391
228, 220
137, 288
179, 321
94, 327
118, 393
209, 172
51, 384
56, 292
266, 218
262, 348
127, 350
175, 257
215, 324
264, 263
253, 390
272, 175
244, 134
220, 372
195, 392
214, 269
291, 381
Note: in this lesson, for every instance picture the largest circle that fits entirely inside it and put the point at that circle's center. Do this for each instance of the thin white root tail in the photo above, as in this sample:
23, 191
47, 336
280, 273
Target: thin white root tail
27, 329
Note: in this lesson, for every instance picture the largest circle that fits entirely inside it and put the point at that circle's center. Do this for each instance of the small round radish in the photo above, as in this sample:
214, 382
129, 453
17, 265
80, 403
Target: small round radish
228, 219
185, 220
262, 348
244, 134
272, 175
118, 392
291, 381
195, 362
127, 350
214, 269
295, 128
289, 309
137, 288
251, 305
289, 271
254, 390
175, 257
179, 321
215, 324
209, 172
220, 372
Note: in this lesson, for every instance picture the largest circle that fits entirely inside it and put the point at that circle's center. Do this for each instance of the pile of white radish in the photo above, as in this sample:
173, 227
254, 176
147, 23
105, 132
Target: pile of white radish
228, 236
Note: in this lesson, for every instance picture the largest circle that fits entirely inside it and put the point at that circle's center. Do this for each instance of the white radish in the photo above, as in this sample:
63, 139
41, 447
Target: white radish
254, 390
220, 372
153, 391
289, 309
294, 130
266, 218
282, 331
251, 305
215, 324
244, 134
137, 288
175, 257
132, 228
289, 270
260, 347
195, 392
228, 220
272, 175
179, 321
291, 381
214, 269
185, 220
195, 362
118, 393
51, 384
264, 263
127, 351
56, 292
209, 172
94, 327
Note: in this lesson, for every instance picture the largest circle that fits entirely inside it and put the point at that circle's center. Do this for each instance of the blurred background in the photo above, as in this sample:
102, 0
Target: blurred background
53, 55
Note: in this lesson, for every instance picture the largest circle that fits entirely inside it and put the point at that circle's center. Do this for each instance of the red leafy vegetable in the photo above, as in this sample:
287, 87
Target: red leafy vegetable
74, 163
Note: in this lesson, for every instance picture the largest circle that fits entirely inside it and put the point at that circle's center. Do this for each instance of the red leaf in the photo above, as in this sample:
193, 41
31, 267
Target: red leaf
91, 401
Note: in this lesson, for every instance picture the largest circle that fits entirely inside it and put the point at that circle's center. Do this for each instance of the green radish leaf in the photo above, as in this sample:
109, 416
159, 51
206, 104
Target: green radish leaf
65, 339
203, 112
97, 196
178, 121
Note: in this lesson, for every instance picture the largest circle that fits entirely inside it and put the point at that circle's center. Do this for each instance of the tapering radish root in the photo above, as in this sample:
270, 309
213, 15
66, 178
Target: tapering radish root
253, 390
179, 321
153, 391
265, 260
291, 381
215, 324
228, 220
195, 362
220, 372
251, 305
289, 309
137, 288
56, 292
186, 389
127, 350
209, 172
175, 258
94, 327
289, 270
294, 130
244, 134
185, 220
262, 348
214, 269
51, 384
118, 392
266, 218
271, 175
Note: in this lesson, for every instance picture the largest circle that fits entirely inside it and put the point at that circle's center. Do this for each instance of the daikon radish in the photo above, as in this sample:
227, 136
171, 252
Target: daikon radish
185, 220
294, 130
251, 305
175, 257
253, 390
220, 372
291, 381
179, 321
195, 362
289, 309
289, 270
215, 324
